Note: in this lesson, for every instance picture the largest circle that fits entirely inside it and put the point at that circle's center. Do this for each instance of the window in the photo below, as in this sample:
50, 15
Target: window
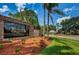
14, 29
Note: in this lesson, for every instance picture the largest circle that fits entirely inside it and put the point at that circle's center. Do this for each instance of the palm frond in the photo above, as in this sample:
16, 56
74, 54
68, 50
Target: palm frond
58, 12
51, 19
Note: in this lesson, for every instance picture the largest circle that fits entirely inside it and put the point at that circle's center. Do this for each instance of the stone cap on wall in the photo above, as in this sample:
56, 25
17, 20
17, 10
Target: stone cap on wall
6, 18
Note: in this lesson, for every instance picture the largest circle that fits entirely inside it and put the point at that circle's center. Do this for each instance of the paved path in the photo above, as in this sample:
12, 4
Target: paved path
75, 37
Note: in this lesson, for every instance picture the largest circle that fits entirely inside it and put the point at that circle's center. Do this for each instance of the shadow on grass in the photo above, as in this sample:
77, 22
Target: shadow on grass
64, 41
67, 42
57, 50
60, 41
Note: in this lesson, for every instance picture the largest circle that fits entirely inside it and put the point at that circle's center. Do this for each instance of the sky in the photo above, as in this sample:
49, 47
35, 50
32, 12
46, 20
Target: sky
70, 9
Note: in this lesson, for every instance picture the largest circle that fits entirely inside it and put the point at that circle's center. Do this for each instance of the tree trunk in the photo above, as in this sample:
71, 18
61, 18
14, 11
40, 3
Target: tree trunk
48, 25
21, 15
44, 22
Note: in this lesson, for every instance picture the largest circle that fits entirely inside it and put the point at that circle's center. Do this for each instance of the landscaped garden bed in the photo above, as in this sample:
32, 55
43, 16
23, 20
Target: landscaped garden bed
30, 46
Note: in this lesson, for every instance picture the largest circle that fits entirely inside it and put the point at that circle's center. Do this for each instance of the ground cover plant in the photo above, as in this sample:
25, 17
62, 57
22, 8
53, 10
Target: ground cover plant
62, 46
1, 46
17, 49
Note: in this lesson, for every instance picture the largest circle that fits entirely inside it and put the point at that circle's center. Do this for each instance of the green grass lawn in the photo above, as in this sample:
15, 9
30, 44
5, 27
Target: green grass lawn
62, 47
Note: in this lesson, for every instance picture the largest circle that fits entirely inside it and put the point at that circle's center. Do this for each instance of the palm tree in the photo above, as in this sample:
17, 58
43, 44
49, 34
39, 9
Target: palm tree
52, 8
44, 21
32, 17
21, 15
27, 15
15, 16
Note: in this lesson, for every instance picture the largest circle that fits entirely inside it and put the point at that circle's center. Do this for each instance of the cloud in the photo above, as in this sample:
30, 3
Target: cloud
63, 18
20, 6
35, 11
68, 9
4, 9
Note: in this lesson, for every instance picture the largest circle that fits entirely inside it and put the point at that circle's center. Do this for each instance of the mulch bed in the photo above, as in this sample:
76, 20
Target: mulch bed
32, 46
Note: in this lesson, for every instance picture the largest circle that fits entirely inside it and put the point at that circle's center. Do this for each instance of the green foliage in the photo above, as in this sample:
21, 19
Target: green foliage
17, 49
1, 46
70, 26
29, 16
62, 46
52, 27
51, 8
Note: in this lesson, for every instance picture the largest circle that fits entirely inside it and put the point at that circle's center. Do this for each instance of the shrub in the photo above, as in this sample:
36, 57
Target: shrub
1, 46
50, 38
17, 49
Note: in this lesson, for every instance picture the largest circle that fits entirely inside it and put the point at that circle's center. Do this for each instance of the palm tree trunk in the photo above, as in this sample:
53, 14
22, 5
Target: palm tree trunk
52, 19
48, 25
44, 22
21, 15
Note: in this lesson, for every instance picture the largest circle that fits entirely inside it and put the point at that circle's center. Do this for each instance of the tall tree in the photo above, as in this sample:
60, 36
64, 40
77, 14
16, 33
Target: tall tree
52, 8
44, 21
70, 26
27, 15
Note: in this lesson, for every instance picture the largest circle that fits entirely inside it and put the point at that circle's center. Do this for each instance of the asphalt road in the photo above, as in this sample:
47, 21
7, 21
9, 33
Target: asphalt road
75, 37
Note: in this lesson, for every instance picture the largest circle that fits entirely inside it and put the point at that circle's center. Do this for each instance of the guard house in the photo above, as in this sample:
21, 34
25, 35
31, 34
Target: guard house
10, 28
